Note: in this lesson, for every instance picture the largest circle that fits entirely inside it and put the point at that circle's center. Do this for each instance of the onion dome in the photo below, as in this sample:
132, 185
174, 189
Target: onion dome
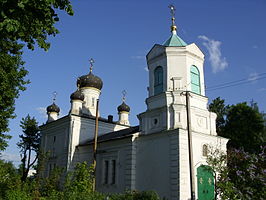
90, 80
53, 108
123, 108
78, 95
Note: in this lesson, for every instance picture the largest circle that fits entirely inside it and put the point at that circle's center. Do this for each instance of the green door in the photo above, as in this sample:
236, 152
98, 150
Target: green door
205, 183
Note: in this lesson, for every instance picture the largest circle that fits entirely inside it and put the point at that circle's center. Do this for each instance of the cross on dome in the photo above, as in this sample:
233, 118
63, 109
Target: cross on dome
91, 64
124, 93
54, 96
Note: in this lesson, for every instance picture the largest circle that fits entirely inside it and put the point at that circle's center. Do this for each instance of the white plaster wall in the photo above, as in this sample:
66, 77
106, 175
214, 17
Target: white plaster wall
176, 67
170, 109
82, 129
54, 139
153, 121
198, 140
153, 164
119, 150
176, 63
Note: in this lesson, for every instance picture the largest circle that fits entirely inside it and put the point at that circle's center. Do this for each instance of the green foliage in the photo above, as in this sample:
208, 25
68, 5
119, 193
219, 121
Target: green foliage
11, 82
22, 22
135, 195
51, 184
30, 21
239, 174
76, 186
81, 179
217, 106
9, 178
17, 194
29, 143
245, 127
31, 136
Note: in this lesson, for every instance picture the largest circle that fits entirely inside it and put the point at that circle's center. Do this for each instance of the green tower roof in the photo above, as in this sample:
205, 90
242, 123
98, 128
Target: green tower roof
174, 41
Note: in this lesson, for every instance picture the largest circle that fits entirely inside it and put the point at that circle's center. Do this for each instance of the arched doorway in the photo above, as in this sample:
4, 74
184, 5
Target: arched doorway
205, 181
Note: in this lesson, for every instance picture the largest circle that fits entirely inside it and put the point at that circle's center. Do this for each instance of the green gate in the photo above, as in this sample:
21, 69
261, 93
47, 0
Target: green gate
205, 183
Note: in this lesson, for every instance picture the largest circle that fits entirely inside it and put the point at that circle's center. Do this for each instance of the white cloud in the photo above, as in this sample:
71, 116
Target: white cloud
146, 69
253, 76
10, 157
262, 89
255, 46
42, 112
138, 57
218, 62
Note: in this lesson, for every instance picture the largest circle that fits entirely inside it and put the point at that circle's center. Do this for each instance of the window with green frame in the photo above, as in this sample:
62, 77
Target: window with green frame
158, 80
195, 79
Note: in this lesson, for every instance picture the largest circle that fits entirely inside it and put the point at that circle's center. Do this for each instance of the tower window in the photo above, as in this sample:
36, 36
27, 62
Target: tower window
158, 80
195, 79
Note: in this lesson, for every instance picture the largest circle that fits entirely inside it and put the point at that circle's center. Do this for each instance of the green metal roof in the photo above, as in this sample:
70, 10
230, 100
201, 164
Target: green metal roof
174, 41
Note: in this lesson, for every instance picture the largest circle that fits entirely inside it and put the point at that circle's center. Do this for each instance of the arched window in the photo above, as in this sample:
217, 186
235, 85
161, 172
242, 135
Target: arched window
205, 150
195, 79
158, 80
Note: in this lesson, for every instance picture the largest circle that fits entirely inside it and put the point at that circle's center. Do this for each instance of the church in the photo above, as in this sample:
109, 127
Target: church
166, 152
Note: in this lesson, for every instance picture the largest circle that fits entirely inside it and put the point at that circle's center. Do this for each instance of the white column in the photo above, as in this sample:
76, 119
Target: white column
123, 118
52, 116
76, 107
90, 97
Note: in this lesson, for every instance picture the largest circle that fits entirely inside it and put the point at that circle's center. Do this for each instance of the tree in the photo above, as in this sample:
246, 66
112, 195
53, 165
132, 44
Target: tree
9, 178
241, 175
29, 143
217, 106
245, 127
22, 22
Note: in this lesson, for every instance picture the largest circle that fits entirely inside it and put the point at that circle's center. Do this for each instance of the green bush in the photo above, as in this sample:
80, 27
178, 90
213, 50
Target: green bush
135, 195
9, 178
17, 194
76, 186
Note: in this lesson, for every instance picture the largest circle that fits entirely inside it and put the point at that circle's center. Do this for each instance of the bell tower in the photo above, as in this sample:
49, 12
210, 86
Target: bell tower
175, 67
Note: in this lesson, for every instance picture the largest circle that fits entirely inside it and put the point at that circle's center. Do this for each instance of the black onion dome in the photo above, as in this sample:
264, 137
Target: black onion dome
90, 80
53, 108
123, 108
77, 95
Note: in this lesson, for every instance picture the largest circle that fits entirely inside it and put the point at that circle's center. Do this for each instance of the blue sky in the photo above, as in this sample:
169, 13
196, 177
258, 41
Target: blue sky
119, 33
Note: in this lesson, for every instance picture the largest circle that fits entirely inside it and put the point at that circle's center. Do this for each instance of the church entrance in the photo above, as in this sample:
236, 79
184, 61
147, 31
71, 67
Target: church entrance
205, 183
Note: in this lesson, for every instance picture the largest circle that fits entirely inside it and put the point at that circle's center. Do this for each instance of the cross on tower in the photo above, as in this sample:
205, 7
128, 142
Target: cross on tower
91, 64
54, 96
124, 93
172, 10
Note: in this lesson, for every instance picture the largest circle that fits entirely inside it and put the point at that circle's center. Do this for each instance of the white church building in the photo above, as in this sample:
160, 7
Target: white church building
159, 154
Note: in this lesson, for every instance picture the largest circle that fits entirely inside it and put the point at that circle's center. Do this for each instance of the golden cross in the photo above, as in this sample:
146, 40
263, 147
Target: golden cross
172, 10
